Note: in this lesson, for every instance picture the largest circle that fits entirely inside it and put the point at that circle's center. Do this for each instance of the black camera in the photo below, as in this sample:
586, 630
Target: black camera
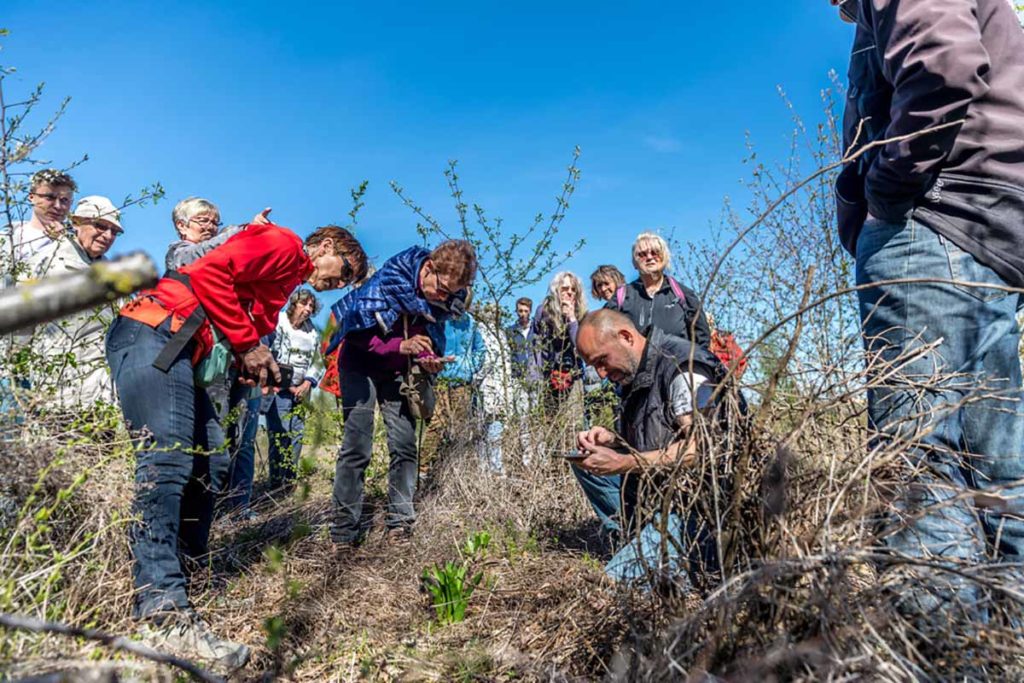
287, 374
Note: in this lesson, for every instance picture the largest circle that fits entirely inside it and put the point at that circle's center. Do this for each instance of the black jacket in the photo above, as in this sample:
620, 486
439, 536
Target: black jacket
918, 64
664, 311
647, 420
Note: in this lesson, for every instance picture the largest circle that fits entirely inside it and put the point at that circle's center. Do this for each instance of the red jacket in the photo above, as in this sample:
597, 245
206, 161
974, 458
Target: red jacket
243, 285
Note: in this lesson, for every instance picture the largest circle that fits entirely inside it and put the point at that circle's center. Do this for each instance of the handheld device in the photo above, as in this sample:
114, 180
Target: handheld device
287, 374
572, 455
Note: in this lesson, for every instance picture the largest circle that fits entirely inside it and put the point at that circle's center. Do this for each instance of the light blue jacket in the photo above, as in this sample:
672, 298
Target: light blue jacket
464, 342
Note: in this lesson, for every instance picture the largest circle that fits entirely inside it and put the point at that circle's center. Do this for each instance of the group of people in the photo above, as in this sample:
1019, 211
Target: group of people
934, 198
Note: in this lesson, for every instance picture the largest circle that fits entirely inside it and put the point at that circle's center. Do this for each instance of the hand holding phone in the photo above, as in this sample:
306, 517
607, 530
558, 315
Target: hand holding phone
573, 455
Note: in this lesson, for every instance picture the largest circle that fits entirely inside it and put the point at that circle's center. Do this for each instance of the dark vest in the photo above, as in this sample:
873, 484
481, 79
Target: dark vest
647, 420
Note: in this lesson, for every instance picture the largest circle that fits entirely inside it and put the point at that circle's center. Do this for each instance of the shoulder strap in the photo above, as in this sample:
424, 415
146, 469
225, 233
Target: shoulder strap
620, 296
677, 290
181, 338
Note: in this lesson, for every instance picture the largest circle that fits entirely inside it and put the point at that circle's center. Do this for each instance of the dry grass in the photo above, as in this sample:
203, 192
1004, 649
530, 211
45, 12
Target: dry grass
545, 608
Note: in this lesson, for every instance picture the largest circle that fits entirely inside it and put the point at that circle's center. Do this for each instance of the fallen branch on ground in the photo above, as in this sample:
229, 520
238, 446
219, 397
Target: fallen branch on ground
13, 621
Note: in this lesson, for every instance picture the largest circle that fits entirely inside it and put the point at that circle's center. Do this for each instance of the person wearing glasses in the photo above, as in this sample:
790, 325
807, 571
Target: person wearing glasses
656, 299
393, 321
197, 221
51, 193
71, 348
162, 350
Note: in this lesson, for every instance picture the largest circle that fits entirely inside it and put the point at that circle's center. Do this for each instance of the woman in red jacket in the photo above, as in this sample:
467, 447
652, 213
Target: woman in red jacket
153, 348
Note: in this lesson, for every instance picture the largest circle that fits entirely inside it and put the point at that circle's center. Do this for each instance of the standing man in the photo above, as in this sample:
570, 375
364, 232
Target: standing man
518, 334
71, 351
943, 200
51, 193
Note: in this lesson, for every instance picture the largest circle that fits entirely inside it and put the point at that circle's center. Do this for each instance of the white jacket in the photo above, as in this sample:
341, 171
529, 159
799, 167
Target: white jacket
72, 347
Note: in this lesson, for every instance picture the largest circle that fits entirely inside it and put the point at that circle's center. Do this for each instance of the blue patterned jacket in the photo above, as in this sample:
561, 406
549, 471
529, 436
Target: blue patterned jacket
389, 293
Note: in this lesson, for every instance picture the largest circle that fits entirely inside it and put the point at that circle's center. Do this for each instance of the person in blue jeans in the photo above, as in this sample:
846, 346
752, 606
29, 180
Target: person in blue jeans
154, 348
295, 342
242, 468
664, 379
932, 209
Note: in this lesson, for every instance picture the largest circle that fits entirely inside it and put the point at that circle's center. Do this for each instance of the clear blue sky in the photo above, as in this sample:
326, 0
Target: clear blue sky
289, 105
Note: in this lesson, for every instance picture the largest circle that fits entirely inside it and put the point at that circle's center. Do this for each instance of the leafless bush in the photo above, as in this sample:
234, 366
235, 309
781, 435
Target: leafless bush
810, 590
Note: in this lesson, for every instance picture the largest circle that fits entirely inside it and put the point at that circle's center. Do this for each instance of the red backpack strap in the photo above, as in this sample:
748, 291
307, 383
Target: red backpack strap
620, 296
677, 290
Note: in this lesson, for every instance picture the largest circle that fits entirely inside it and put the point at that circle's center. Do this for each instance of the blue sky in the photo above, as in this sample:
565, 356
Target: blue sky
255, 104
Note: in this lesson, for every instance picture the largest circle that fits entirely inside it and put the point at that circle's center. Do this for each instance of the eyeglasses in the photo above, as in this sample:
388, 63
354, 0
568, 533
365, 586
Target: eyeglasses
648, 252
441, 288
107, 227
205, 221
100, 227
54, 198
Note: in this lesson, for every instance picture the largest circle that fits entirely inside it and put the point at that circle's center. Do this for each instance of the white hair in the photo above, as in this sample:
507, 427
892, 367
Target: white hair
193, 206
645, 239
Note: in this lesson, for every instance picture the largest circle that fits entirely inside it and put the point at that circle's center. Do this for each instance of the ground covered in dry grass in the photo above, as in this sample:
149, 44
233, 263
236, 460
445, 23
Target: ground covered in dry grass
542, 610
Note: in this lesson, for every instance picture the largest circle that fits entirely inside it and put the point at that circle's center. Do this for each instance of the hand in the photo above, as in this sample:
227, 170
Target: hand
416, 345
263, 217
431, 364
569, 311
595, 437
259, 367
300, 391
605, 461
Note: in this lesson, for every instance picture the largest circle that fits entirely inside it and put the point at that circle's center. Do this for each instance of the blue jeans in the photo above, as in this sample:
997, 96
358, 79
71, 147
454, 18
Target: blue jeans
173, 500
675, 550
285, 424
243, 458
359, 394
963, 439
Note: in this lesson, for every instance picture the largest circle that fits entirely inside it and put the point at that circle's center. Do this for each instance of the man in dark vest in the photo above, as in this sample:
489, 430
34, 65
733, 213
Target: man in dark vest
664, 379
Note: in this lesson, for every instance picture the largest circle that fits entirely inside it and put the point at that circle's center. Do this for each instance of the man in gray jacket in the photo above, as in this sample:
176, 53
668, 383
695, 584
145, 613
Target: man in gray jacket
933, 211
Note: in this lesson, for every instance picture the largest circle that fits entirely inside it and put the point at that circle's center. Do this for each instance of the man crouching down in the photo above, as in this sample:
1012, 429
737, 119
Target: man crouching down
627, 478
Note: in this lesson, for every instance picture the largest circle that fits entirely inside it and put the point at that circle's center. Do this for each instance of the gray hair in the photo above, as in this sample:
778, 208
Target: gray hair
193, 206
653, 238
552, 304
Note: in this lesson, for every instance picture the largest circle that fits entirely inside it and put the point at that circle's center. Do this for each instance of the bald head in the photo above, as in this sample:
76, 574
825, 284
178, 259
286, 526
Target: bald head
609, 341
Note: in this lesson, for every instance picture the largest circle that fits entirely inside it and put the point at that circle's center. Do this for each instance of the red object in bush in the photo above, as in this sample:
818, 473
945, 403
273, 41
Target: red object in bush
331, 382
561, 380
724, 345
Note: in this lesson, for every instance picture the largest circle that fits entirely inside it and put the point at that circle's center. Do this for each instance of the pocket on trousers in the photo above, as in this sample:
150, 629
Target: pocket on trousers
965, 268
123, 333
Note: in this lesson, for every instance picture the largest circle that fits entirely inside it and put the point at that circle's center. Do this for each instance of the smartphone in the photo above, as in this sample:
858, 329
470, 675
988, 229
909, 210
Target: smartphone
287, 374
573, 455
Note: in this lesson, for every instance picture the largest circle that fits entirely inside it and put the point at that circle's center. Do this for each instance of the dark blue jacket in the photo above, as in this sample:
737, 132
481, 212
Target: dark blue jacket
381, 300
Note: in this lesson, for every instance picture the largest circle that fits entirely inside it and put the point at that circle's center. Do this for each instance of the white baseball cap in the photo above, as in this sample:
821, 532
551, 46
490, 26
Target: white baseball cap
96, 207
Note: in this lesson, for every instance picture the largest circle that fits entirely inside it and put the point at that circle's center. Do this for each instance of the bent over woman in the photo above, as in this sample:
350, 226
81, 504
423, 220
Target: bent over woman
229, 298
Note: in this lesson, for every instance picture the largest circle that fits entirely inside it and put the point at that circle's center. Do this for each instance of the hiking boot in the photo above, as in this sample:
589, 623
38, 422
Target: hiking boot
186, 634
399, 535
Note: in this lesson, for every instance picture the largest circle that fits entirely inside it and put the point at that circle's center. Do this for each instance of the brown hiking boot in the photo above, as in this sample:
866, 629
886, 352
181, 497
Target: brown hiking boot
187, 635
399, 535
